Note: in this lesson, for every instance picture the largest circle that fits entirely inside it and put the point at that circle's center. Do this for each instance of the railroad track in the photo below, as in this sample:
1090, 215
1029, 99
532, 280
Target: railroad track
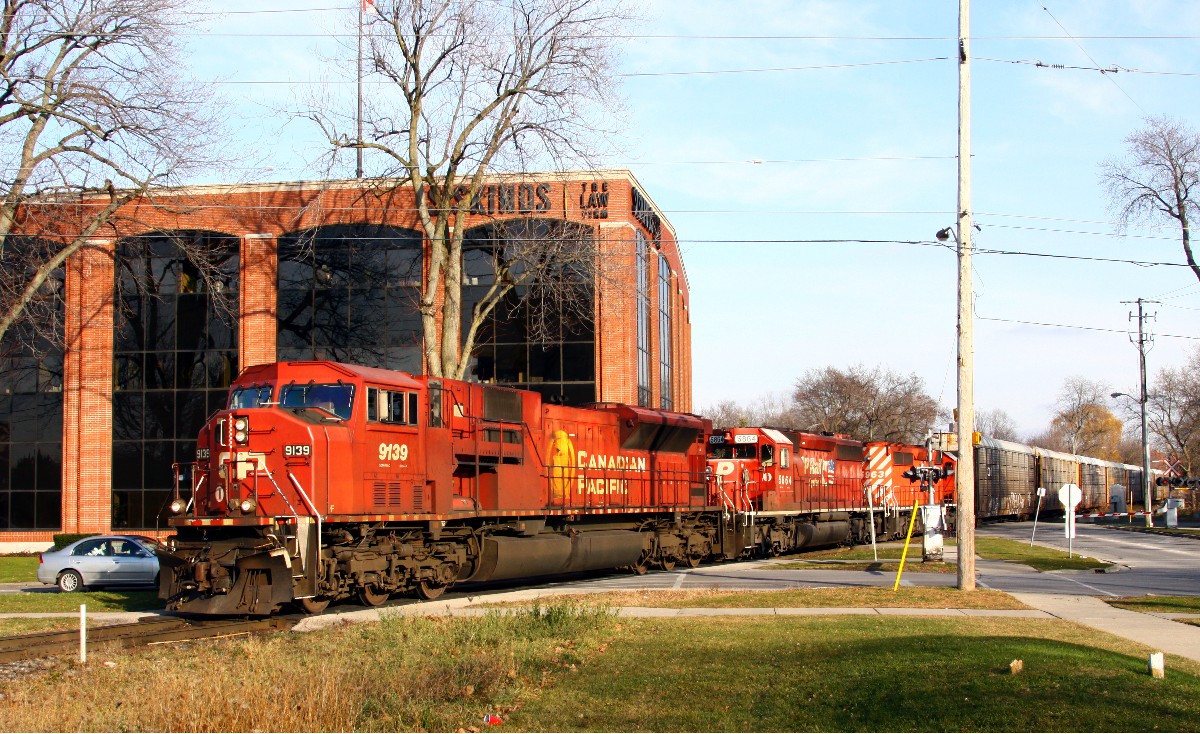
138, 634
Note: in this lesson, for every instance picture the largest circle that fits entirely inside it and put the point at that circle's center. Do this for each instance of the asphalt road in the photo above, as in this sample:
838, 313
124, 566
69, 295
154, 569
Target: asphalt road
1144, 564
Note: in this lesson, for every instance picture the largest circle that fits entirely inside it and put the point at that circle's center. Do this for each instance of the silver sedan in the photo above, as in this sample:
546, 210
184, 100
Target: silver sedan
105, 560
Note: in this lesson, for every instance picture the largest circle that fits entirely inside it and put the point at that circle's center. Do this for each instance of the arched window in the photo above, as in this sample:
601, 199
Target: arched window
175, 351
349, 293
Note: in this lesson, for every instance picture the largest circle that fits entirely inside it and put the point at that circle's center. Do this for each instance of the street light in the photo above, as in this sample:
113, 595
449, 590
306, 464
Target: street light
1145, 454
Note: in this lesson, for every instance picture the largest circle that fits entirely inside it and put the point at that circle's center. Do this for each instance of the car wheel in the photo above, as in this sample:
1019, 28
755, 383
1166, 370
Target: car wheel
70, 581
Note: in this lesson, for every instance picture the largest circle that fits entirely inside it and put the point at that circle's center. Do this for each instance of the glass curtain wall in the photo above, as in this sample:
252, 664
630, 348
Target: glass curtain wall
349, 293
31, 410
175, 347
643, 320
666, 399
542, 335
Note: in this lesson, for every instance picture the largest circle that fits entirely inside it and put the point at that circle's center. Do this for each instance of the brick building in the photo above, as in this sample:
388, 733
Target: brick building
324, 270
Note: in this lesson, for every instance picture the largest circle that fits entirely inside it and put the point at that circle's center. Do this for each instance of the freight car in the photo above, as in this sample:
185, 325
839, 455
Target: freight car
1008, 475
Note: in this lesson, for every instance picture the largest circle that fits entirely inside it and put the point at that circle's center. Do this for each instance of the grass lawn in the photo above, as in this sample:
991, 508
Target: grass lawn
992, 549
18, 568
910, 566
1039, 557
922, 597
865, 674
97, 601
569, 668
1185, 604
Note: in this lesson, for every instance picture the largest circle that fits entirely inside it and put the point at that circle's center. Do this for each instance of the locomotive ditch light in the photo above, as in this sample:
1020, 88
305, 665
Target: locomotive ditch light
247, 505
177, 506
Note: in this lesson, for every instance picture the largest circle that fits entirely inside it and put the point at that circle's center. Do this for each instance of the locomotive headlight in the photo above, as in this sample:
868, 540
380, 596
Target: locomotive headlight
177, 506
241, 429
247, 506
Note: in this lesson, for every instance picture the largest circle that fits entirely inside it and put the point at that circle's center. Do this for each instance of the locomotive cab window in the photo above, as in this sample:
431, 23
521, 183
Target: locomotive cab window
785, 457
768, 454
391, 406
336, 399
253, 396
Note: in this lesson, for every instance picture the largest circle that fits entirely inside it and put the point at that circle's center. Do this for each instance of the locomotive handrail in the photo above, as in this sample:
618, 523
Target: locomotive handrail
282, 494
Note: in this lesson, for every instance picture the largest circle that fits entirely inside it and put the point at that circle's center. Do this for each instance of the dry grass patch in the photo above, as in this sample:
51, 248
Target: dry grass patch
1154, 603
919, 597
910, 566
402, 674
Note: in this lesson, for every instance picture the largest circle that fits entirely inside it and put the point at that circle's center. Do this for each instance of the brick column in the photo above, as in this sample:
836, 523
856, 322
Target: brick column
258, 286
87, 390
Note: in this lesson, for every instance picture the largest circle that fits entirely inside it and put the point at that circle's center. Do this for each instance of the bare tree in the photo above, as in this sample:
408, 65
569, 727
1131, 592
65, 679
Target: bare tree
474, 87
91, 116
1173, 414
772, 409
996, 423
1158, 178
867, 404
1083, 424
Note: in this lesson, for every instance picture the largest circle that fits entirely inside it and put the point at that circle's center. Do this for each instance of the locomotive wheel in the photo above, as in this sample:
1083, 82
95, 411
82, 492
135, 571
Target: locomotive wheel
639, 568
372, 596
667, 564
692, 560
312, 605
430, 590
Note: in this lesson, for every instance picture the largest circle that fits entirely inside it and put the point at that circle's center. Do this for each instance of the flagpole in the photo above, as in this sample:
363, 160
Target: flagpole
358, 173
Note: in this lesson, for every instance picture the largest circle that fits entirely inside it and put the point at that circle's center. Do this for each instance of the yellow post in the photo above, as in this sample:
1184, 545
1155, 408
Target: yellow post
911, 521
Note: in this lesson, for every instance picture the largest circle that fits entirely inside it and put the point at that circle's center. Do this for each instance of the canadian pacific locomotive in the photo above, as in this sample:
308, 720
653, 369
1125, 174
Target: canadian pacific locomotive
322, 481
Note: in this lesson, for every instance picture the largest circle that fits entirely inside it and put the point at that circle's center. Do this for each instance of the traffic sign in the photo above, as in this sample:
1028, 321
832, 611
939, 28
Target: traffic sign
1070, 496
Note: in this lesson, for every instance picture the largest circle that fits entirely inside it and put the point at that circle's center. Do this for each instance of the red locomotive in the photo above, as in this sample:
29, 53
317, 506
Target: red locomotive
322, 481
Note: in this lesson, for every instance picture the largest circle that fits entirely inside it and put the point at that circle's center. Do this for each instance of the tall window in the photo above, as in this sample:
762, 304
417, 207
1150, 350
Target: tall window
31, 414
643, 320
666, 400
349, 293
175, 347
542, 335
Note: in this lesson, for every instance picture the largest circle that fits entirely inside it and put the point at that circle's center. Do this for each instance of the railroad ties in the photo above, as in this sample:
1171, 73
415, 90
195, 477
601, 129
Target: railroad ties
154, 631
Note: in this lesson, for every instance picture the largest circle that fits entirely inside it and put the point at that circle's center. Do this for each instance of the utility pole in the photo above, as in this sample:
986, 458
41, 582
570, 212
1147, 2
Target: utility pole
1143, 338
964, 483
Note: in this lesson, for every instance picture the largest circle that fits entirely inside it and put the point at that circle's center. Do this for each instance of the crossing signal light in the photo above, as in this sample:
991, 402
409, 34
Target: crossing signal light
1162, 482
912, 474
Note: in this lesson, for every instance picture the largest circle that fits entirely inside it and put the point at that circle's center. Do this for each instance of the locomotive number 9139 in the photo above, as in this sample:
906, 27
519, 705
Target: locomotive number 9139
297, 449
393, 452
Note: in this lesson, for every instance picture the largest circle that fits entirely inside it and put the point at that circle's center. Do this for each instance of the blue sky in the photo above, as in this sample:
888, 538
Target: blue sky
836, 120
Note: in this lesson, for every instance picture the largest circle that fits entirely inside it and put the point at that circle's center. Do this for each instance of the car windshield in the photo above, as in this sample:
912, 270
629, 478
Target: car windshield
336, 398
253, 396
151, 544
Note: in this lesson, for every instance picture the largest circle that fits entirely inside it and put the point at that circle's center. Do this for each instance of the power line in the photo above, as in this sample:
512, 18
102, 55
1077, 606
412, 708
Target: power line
1075, 326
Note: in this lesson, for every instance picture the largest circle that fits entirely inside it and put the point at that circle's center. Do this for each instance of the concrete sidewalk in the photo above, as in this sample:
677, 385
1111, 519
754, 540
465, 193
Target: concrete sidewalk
1153, 630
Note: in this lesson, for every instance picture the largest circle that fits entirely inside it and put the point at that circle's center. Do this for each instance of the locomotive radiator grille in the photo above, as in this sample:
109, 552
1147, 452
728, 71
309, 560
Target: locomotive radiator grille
387, 494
